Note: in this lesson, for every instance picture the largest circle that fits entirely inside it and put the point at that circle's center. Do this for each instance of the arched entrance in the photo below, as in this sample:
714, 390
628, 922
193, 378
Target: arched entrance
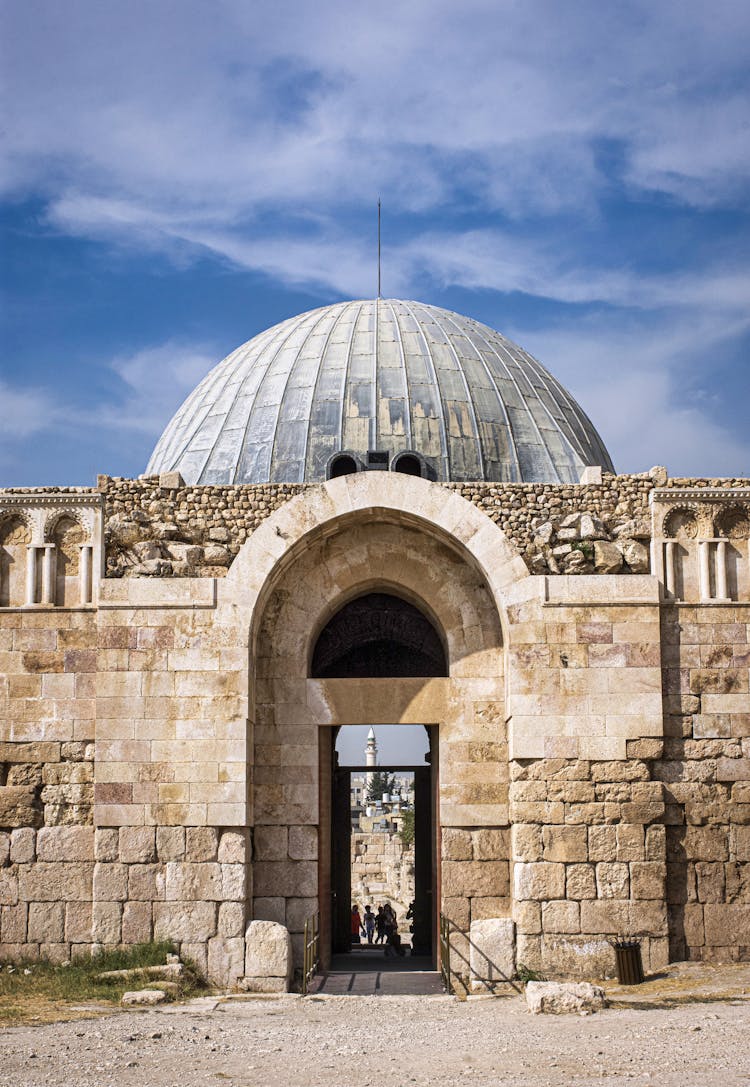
405, 538
381, 636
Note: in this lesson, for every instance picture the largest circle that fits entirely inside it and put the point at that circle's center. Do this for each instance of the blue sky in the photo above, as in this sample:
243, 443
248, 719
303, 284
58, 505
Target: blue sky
179, 175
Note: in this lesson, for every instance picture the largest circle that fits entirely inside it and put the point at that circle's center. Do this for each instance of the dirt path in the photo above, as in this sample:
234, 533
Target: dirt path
383, 1042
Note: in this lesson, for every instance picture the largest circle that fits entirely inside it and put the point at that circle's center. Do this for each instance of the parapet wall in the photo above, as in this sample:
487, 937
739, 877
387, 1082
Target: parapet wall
161, 531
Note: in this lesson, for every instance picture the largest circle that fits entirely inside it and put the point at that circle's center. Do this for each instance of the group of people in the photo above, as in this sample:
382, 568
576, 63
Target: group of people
377, 928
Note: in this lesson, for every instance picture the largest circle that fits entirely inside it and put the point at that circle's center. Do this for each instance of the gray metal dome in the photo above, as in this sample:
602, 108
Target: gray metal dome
379, 375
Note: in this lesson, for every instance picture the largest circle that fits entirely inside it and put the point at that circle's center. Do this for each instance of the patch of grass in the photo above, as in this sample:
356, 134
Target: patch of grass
43, 992
526, 974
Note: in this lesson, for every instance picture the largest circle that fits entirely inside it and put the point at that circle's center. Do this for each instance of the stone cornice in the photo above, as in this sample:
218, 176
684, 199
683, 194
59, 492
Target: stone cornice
92, 499
713, 494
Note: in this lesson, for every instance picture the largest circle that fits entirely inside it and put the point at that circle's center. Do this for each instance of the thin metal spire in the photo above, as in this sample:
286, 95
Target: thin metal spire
378, 247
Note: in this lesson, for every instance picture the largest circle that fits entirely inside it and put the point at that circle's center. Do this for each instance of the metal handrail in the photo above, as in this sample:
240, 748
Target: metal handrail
444, 928
311, 958
457, 987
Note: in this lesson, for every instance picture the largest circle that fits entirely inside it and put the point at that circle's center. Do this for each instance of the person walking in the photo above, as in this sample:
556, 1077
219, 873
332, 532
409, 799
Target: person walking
368, 923
356, 925
380, 926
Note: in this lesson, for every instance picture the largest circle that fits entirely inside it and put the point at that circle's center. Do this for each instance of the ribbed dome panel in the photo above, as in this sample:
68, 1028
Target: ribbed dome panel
386, 375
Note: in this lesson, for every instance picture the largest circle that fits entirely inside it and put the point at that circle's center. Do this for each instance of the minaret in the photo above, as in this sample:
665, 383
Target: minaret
371, 756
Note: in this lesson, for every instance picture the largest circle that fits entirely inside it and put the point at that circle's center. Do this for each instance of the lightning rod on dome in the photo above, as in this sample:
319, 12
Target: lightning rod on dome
378, 247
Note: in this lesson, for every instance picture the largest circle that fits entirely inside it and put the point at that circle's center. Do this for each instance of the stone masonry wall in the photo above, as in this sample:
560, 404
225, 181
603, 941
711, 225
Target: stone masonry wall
705, 771
382, 870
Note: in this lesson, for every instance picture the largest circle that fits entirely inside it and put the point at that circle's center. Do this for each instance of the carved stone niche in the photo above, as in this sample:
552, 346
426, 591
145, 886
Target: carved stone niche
733, 523
681, 523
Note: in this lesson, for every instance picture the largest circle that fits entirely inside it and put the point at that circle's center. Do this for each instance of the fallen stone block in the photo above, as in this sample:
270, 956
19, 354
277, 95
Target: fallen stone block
170, 972
564, 998
144, 997
268, 954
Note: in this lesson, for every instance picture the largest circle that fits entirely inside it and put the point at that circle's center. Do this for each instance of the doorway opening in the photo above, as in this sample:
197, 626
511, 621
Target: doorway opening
383, 847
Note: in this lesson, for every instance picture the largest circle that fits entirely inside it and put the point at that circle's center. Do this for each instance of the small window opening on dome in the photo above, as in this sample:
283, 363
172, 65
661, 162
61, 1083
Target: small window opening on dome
377, 459
409, 464
343, 464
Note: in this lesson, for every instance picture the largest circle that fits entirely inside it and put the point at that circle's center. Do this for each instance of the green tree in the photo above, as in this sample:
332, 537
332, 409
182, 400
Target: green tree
381, 783
406, 834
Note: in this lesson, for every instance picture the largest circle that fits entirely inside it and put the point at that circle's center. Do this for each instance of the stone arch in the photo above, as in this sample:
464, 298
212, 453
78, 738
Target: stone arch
407, 500
372, 532
378, 634
15, 535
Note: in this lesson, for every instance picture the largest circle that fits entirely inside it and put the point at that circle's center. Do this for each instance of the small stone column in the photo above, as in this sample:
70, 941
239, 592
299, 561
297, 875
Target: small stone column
669, 565
704, 559
49, 566
721, 570
84, 573
31, 574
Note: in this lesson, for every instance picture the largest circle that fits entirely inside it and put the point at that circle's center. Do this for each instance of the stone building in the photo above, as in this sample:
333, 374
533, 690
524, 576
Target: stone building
377, 512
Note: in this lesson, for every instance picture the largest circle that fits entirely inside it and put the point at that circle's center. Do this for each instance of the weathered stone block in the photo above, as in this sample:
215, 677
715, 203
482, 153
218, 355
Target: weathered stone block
528, 917
456, 844
232, 847
554, 998
303, 843
226, 960
201, 844
46, 922
110, 882
268, 951
290, 879
725, 922
472, 878
20, 806
106, 922
136, 923
648, 880
55, 882
561, 917
170, 843
270, 909
186, 881
65, 844
612, 880
13, 921
146, 882
231, 919
706, 843
565, 843
22, 845
78, 922
138, 845
539, 881
526, 842
602, 843
194, 922
270, 843
489, 844
106, 844
492, 952
580, 881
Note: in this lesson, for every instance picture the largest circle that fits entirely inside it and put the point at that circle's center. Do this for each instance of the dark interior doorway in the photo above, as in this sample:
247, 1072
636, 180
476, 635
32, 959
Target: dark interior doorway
418, 932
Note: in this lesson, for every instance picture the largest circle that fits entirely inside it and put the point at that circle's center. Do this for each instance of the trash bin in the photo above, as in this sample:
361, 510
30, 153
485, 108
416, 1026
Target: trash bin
629, 962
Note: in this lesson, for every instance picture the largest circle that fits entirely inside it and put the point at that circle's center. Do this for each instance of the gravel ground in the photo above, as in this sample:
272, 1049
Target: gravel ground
383, 1042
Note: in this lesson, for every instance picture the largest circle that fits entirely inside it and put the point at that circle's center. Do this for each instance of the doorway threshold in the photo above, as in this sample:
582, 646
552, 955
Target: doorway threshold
368, 972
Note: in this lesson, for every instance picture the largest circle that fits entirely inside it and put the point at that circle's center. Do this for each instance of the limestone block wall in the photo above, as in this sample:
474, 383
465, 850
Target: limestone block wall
705, 771
47, 717
382, 870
